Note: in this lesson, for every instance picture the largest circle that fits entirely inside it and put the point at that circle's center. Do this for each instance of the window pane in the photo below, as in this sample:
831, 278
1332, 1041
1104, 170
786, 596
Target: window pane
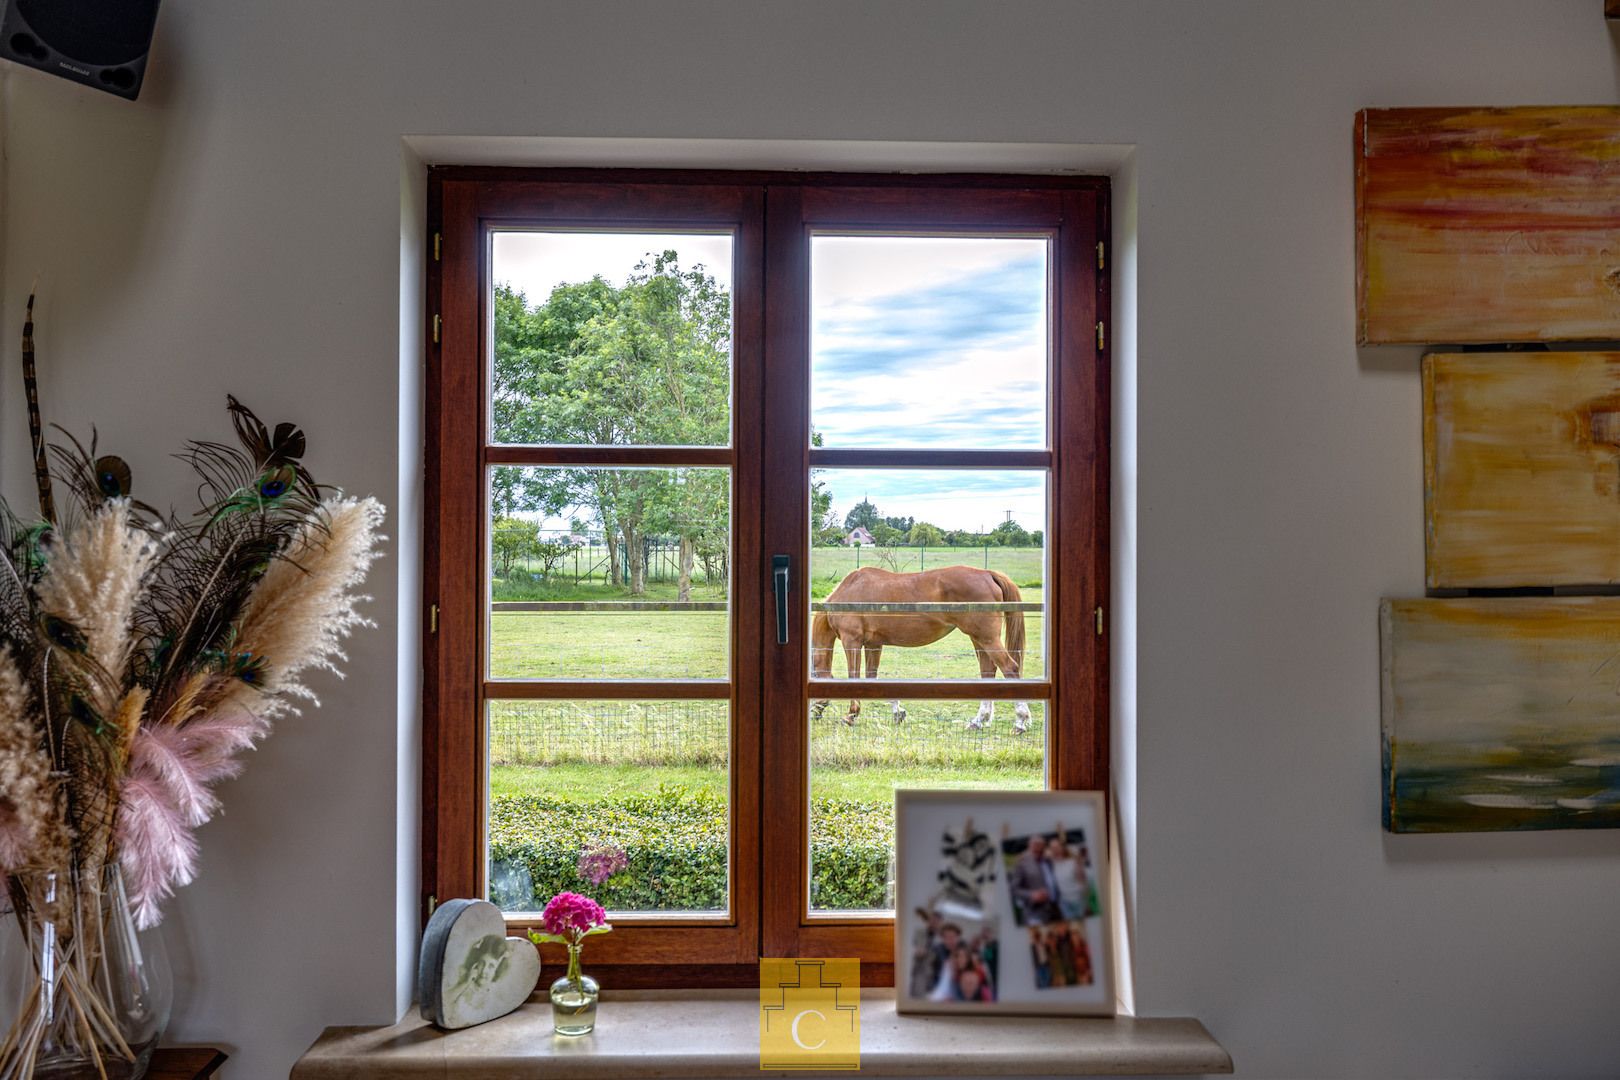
928, 574
624, 801
928, 341
609, 573
611, 338
855, 769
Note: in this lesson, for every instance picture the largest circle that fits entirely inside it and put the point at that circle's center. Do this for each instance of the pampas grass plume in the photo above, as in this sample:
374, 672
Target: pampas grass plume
95, 576
32, 832
303, 608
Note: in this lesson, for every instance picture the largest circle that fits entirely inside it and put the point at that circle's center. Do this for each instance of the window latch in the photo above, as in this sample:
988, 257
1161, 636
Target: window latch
779, 579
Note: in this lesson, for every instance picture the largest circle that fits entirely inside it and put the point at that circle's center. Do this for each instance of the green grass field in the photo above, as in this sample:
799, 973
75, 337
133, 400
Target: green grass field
693, 645
598, 751
593, 783
828, 565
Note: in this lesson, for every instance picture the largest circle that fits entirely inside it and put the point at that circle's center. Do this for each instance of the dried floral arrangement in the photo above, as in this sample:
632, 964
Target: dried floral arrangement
142, 654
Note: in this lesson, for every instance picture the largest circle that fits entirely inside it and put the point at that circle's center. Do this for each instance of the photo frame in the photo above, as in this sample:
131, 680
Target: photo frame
1001, 903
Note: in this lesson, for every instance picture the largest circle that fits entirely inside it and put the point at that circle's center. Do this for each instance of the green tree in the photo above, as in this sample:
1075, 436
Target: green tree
551, 553
864, 516
923, 534
645, 363
1009, 534
512, 540
823, 522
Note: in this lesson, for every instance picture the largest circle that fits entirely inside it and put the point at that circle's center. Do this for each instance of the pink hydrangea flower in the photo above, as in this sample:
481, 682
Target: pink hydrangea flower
572, 915
599, 863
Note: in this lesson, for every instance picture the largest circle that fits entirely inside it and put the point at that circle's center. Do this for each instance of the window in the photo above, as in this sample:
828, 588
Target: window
753, 497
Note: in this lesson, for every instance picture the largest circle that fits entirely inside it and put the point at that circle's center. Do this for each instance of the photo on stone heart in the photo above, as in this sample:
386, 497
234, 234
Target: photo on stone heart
478, 972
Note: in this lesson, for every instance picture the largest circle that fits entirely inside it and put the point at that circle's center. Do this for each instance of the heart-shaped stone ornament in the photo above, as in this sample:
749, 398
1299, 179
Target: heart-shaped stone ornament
469, 970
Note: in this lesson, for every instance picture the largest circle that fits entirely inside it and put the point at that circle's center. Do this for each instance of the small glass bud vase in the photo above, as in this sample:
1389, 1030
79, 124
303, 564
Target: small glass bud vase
573, 999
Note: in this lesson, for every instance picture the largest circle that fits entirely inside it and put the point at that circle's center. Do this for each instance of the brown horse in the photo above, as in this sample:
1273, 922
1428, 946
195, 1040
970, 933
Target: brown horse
862, 632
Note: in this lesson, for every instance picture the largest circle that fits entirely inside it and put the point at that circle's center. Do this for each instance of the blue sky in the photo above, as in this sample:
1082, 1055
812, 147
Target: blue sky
928, 341
915, 342
976, 500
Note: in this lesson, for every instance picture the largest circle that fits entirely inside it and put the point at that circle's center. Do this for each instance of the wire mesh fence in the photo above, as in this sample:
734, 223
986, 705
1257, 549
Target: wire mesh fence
574, 559
932, 733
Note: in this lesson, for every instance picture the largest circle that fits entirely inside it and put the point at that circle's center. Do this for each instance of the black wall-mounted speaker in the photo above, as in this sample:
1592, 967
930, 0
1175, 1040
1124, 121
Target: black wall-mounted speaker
100, 43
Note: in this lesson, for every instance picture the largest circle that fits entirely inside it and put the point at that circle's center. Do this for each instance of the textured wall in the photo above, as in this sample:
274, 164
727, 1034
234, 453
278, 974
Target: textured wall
240, 229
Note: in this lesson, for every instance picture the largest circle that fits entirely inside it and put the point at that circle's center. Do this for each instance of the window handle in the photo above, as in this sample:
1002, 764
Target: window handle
779, 578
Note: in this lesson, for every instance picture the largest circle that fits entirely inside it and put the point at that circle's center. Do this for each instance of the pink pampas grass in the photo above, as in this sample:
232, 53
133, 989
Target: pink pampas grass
186, 761
172, 772
156, 848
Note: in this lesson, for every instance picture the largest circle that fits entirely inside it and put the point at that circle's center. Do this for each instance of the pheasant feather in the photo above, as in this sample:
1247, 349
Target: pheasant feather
36, 428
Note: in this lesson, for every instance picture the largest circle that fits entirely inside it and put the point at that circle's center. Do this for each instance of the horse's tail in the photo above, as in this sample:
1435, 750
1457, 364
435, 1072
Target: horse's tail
1014, 620
821, 645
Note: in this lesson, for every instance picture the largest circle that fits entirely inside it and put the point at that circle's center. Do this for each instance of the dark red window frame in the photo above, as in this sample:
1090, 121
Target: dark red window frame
772, 216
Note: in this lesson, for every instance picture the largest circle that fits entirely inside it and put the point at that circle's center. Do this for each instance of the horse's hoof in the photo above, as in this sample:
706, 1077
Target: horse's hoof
1020, 729
899, 716
975, 724
849, 721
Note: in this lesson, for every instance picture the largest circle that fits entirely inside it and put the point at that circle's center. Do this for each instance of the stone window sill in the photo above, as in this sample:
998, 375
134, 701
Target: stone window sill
667, 1033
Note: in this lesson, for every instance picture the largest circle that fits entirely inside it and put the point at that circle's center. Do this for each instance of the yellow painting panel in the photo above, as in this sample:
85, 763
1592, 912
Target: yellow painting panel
1521, 470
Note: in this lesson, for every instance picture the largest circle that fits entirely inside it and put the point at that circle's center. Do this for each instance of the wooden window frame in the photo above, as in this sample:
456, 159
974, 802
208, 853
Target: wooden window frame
772, 216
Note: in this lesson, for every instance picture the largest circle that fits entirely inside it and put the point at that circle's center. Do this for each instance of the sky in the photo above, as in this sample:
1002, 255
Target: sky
915, 342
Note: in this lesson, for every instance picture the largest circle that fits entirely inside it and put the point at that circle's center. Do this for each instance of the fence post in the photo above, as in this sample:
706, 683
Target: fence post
987, 556
922, 558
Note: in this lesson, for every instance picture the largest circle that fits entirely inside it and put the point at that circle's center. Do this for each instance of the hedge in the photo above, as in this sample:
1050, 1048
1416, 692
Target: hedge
675, 844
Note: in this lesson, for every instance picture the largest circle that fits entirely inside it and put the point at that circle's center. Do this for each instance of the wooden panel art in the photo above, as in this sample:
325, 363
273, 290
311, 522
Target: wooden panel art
1488, 225
1501, 713
1521, 469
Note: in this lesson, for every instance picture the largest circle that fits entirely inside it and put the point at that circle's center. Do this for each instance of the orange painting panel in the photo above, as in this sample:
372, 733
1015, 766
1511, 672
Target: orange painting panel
1487, 225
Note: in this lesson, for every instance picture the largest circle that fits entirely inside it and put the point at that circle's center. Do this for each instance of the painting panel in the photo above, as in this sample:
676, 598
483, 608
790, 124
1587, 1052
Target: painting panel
1501, 713
1488, 225
1521, 469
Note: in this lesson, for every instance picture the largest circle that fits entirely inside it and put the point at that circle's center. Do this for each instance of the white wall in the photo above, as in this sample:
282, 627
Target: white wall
240, 229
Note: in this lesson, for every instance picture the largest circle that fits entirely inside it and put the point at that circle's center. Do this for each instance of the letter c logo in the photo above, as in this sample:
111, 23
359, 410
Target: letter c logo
800, 1042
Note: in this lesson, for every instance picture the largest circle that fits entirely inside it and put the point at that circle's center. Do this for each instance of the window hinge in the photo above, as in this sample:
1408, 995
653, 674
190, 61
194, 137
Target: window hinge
1101, 338
1101, 260
437, 322
433, 618
432, 904
438, 246
1099, 621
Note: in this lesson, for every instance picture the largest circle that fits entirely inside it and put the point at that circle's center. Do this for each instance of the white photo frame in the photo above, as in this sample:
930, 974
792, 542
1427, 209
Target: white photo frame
1001, 903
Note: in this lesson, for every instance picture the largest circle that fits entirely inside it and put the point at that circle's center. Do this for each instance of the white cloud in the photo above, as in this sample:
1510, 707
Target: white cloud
534, 263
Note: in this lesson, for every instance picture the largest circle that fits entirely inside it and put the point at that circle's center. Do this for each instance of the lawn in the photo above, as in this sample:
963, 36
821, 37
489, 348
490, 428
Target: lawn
870, 784
606, 755
828, 565
693, 645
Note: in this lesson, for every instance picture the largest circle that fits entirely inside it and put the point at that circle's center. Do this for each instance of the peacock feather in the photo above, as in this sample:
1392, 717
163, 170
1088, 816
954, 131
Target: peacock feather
254, 500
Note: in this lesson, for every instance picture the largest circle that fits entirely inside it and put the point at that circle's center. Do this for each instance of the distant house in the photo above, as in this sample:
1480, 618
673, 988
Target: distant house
858, 535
